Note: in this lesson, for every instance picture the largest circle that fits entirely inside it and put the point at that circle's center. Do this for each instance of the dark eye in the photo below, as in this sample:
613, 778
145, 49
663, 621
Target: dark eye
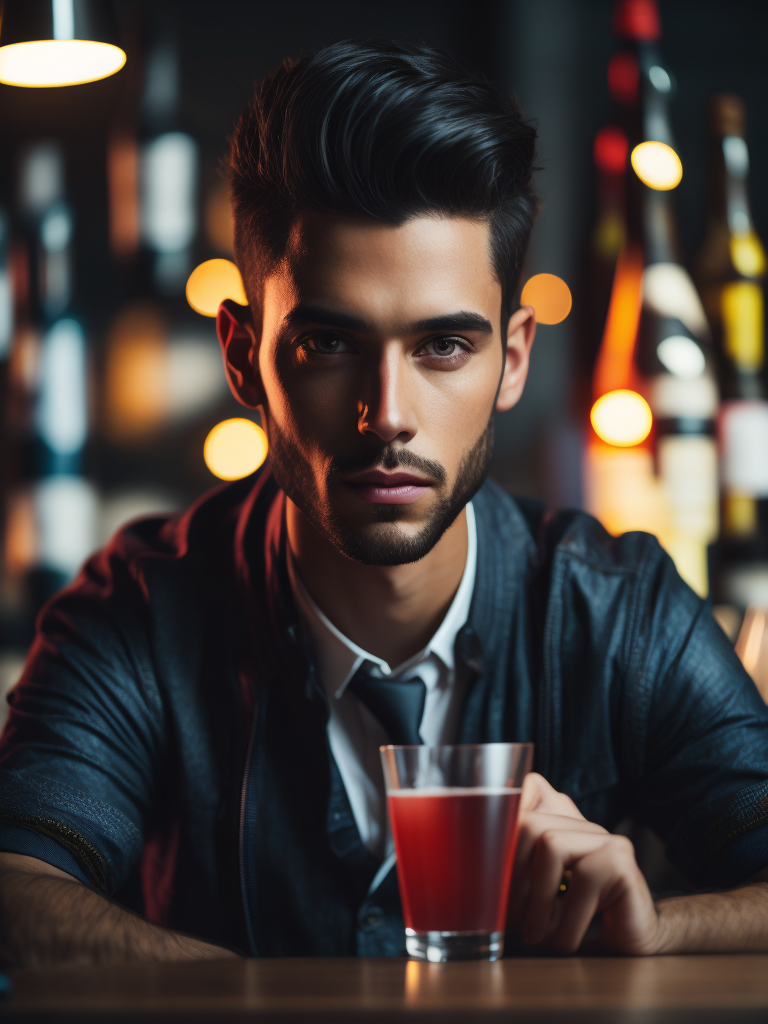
326, 344
444, 346
444, 353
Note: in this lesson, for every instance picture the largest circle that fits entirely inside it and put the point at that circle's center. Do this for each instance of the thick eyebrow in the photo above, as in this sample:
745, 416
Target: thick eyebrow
302, 315
463, 320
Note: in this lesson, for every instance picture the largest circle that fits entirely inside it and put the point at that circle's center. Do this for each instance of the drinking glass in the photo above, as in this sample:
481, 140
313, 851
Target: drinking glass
453, 811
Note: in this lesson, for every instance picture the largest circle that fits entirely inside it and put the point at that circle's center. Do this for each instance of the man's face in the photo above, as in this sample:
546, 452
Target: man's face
380, 361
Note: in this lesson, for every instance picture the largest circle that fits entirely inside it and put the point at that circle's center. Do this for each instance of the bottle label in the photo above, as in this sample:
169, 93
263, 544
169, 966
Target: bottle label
688, 472
669, 292
740, 515
744, 447
741, 308
672, 397
748, 255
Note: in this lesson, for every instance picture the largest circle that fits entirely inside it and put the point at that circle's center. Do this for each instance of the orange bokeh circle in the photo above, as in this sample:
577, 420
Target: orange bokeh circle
549, 295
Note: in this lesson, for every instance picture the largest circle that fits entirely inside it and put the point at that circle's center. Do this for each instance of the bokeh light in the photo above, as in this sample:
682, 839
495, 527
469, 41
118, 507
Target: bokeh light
610, 150
218, 219
550, 297
681, 356
135, 378
52, 62
621, 418
211, 283
624, 77
235, 448
748, 255
657, 165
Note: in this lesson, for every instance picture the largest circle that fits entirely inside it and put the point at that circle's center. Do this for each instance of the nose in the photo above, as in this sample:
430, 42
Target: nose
386, 407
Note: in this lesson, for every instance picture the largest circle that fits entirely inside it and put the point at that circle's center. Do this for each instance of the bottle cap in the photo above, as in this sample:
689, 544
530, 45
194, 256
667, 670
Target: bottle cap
727, 116
636, 19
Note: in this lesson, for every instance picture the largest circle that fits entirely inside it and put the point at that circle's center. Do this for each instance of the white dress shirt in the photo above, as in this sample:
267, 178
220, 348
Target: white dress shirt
354, 734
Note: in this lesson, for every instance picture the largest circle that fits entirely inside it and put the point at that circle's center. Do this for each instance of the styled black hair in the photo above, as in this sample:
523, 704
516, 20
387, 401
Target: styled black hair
386, 130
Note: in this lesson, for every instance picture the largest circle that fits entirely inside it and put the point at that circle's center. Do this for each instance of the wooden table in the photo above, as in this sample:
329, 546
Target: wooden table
595, 989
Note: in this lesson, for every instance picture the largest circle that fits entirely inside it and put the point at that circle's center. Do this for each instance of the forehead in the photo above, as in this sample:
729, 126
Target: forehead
424, 266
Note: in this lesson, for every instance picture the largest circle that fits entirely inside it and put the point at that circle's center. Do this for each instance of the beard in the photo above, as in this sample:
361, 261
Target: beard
387, 546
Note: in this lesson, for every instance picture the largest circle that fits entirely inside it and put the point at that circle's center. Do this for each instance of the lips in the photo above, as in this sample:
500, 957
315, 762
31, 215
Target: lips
382, 488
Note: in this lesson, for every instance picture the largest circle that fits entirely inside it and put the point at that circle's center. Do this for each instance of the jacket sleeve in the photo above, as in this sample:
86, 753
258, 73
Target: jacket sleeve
84, 742
696, 735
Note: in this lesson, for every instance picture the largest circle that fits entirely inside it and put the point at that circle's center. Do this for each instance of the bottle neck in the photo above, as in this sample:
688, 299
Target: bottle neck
741, 298
658, 227
731, 175
650, 214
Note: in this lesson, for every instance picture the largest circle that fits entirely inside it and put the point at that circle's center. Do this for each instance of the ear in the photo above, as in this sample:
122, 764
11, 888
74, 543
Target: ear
239, 340
520, 334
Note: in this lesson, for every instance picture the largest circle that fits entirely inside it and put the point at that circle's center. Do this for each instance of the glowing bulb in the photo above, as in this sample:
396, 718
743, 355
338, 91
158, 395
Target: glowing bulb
211, 283
621, 418
53, 62
657, 165
235, 448
550, 297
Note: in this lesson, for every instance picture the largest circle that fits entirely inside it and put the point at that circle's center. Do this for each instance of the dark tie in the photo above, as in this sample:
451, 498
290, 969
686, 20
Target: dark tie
399, 705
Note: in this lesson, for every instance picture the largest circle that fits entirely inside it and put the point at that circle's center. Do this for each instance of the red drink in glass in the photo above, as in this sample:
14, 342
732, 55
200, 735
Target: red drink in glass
455, 848
453, 812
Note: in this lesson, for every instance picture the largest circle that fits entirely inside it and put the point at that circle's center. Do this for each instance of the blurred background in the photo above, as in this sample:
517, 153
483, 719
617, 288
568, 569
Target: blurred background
646, 400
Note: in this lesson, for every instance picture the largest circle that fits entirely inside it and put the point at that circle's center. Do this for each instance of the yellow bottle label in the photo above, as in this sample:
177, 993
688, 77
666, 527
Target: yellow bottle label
748, 255
741, 308
740, 515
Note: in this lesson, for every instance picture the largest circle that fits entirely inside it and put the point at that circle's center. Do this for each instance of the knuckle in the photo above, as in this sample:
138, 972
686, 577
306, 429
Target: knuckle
623, 846
551, 840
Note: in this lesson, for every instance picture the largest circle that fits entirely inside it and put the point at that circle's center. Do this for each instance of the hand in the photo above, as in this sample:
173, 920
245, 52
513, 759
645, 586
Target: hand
555, 841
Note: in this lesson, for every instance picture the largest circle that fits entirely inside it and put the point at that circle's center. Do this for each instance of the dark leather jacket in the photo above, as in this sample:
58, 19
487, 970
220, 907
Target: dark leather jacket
167, 742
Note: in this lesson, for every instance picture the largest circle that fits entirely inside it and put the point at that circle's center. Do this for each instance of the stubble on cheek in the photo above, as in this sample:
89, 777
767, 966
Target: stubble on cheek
387, 544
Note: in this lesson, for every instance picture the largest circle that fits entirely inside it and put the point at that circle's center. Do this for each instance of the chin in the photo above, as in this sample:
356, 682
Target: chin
388, 543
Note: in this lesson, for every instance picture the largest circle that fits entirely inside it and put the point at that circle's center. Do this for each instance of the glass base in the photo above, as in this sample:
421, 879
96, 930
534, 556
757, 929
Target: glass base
437, 947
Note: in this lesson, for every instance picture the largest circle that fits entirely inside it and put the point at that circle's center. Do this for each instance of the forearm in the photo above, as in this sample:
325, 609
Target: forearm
49, 918
720, 922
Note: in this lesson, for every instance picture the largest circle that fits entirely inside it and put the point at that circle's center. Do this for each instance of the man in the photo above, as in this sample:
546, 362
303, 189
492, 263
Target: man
190, 766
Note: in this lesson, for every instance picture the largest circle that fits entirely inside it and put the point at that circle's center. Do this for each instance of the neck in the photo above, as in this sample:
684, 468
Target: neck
391, 611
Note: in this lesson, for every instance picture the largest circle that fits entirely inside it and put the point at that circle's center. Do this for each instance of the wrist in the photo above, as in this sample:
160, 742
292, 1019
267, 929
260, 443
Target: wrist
670, 918
661, 937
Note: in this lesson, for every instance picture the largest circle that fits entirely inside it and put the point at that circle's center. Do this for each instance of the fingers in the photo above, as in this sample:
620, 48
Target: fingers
538, 795
556, 850
585, 890
533, 825
603, 877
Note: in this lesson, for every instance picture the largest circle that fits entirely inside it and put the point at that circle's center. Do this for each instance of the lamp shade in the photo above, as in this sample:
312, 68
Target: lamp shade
46, 43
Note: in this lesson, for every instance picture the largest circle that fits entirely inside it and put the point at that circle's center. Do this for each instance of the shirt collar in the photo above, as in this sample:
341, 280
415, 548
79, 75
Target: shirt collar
338, 658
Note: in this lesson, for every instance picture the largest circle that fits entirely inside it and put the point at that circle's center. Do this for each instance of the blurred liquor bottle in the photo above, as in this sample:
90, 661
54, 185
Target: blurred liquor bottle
610, 152
654, 385
152, 173
52, 507
168, 172
731, 270
610, 157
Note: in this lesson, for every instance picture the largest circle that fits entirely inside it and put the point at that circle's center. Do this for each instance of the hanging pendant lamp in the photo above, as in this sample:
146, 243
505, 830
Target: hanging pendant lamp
46, 43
